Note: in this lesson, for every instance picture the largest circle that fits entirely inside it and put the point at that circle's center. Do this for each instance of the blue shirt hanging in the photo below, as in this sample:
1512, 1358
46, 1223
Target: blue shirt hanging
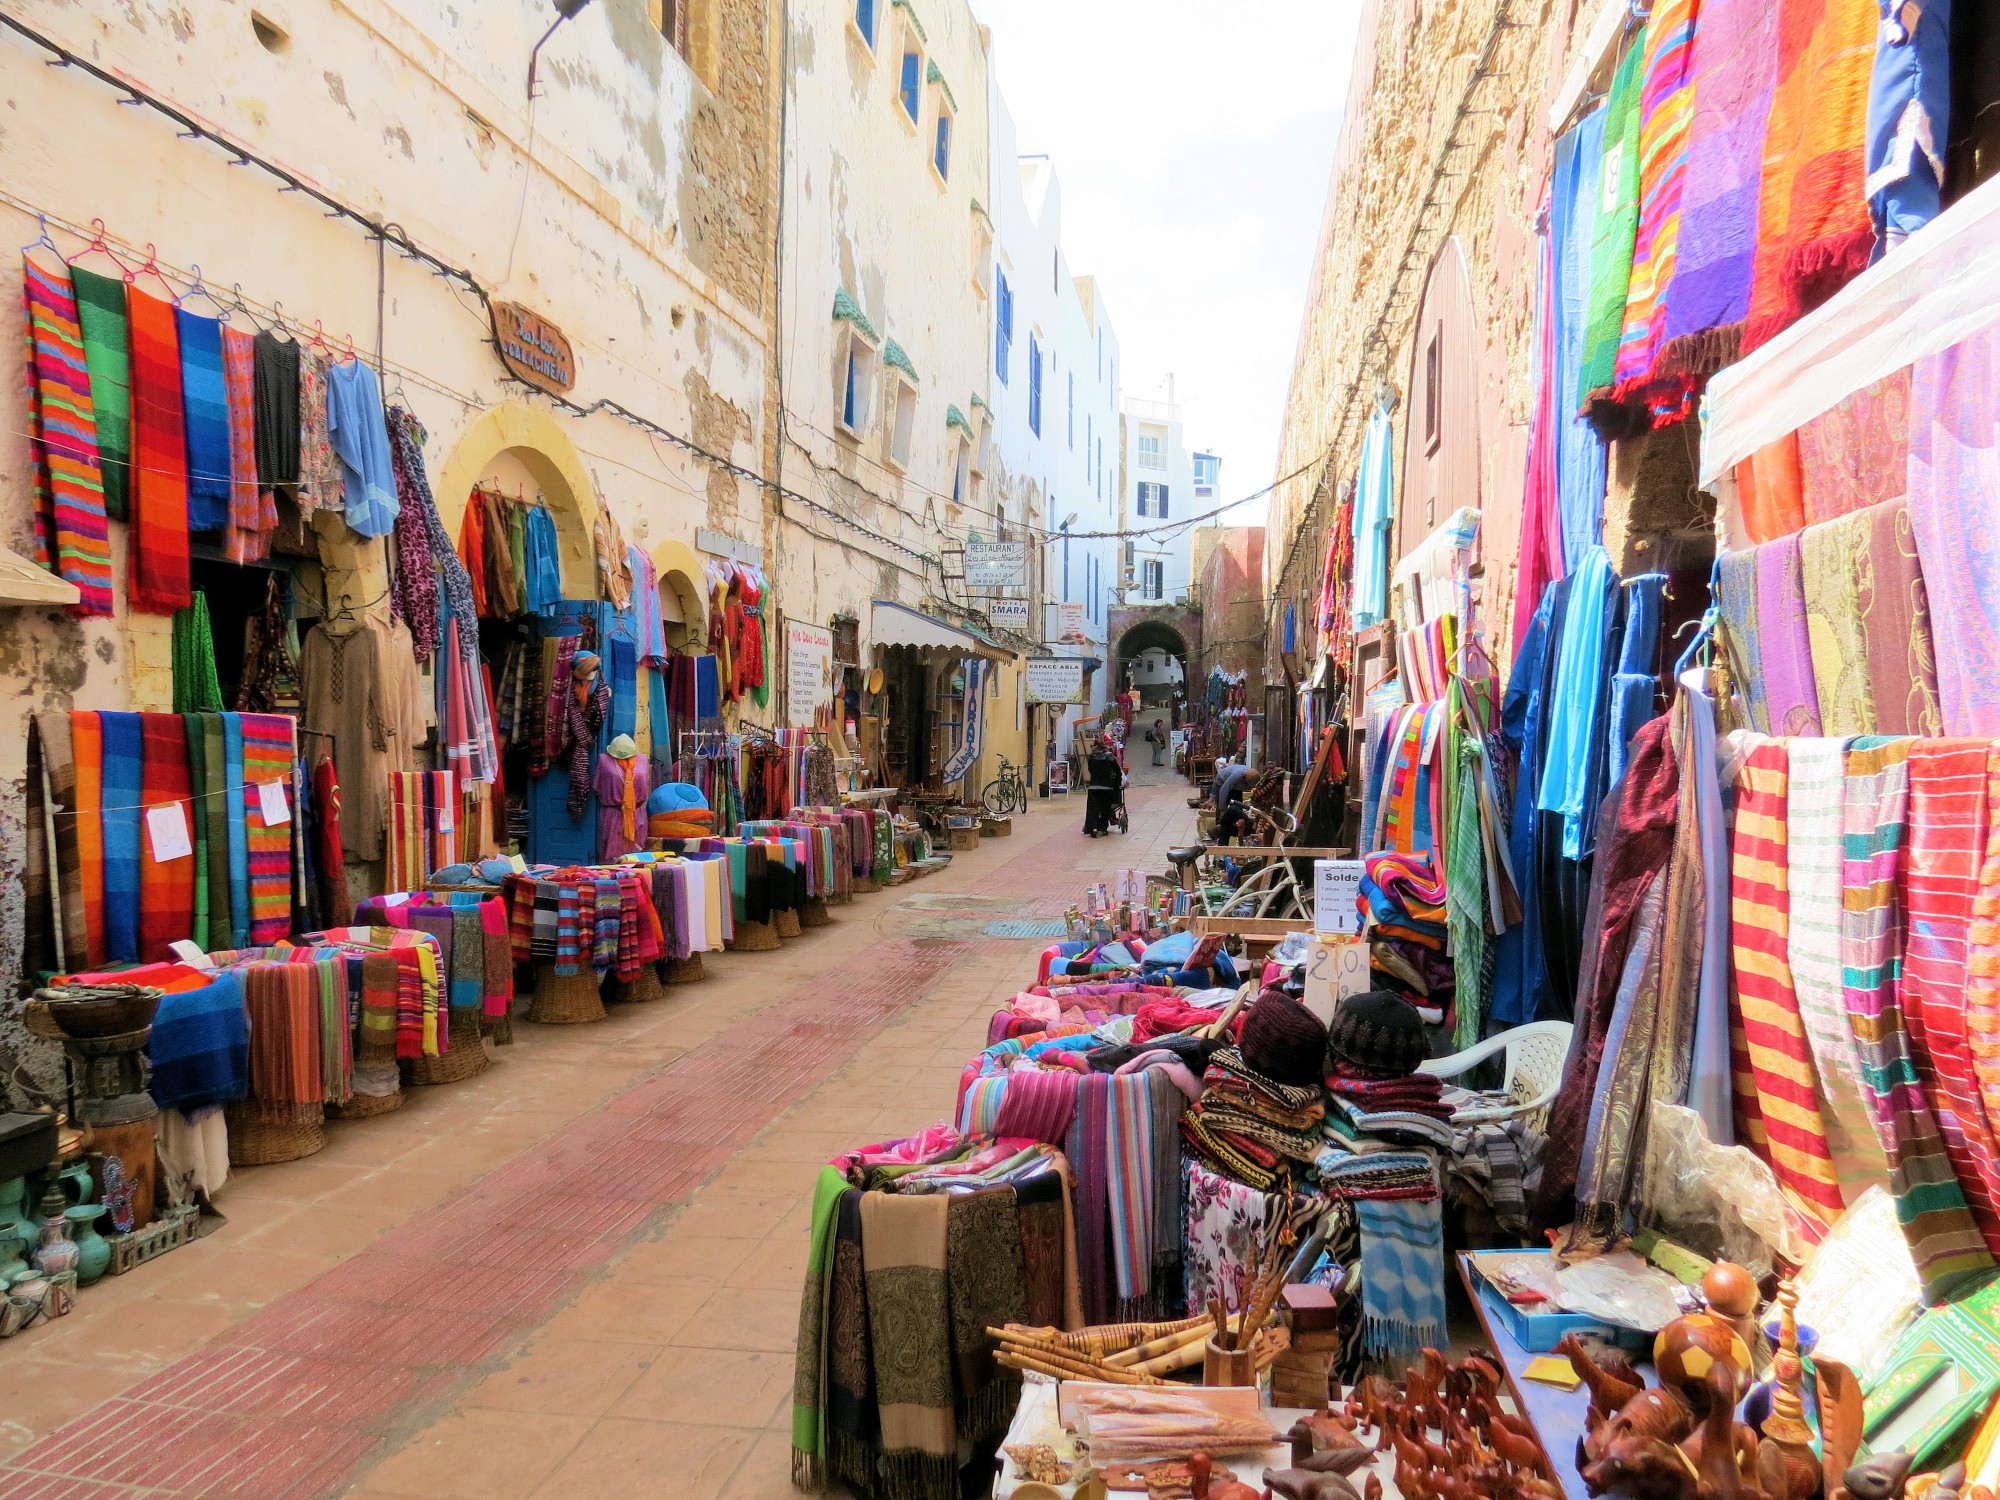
361, 439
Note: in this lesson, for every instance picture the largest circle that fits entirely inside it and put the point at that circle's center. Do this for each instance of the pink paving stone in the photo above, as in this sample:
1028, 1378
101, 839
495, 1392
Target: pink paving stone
289, 1403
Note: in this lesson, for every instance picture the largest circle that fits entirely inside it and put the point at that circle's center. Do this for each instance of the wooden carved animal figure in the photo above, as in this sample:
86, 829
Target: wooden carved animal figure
1412, 1483
1303, 1484
1524, 1486
1335, 1460
1367, 1401
1371, 1487
1880, 1477
1484, 1374
1640, 1468
1720, 1455
1515, 1449
1658, 1411
1408, 1450
1608, 1391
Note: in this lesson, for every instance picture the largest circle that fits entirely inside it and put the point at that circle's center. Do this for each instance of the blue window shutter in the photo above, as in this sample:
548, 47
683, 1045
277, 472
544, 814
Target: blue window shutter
864, 20
1160, 490
908, 94
1034, 385
941, 157
1003, 325
847, 401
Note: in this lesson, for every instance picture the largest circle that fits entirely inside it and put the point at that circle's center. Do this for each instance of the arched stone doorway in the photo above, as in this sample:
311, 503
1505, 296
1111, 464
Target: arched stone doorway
519, 450
683, 602
1145, 637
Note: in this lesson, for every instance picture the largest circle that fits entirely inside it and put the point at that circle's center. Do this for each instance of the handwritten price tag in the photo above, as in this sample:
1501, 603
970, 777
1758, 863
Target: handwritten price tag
1335, 969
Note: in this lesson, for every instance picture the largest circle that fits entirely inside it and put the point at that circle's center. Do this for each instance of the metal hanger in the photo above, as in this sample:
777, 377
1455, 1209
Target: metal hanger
151, 267
237, 304
42, 239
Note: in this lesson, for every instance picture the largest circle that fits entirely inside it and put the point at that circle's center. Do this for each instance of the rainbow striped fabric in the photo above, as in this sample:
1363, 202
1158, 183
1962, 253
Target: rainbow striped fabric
269, 751
72, 537
1777, 1093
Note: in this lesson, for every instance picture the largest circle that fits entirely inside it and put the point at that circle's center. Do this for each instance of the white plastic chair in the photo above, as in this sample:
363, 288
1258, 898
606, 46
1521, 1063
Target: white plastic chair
1535, 1057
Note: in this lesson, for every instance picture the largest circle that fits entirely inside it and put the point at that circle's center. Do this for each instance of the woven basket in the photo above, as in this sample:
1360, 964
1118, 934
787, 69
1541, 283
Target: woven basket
685, 970
865, 885
464, 1059
814, 913
839, 898
259, 1143
754, 937
365, 1106
785, 923
637, 991
565, 999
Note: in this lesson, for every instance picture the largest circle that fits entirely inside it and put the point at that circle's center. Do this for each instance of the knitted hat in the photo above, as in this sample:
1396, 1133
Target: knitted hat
1283, 1040
1376, 1035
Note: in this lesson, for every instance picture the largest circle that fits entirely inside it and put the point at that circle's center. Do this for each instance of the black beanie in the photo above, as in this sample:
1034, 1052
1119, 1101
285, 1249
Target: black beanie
1377, 1034
1283, 1040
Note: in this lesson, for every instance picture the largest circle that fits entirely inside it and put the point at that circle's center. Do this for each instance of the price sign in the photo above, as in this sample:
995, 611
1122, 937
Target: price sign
1334, 970
1336, 894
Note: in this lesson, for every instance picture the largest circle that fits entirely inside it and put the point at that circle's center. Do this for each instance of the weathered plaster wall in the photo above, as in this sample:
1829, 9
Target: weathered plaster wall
632, 203
1418, 120
1229, 588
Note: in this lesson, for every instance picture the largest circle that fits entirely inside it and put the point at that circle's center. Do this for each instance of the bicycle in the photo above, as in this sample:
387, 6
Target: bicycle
1007, 792
1272, 891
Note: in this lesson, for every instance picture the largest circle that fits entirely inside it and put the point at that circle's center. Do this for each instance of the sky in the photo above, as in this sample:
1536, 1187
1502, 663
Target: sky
1193, 143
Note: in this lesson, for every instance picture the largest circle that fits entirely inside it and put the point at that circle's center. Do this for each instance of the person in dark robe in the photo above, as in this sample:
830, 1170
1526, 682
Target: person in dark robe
1104, 778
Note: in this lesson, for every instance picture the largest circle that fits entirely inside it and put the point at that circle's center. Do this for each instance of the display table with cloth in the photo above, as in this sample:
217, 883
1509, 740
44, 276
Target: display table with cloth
475, 955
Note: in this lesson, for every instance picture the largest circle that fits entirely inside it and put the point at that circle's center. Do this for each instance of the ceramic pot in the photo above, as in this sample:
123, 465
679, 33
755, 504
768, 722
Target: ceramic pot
56, 1254
12, 1244
76, 1183
93, 1250
27, 1299
14, 1209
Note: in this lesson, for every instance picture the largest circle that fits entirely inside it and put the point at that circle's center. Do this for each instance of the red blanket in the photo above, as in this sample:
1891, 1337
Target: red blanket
159, 540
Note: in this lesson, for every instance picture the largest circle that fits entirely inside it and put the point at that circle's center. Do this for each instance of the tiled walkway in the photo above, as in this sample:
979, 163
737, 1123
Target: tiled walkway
576, 1275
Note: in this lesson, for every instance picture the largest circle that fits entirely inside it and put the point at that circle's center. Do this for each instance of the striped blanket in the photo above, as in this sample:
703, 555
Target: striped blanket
71, 535
159, 583
100, 309
166, 887
269, 751
423, 823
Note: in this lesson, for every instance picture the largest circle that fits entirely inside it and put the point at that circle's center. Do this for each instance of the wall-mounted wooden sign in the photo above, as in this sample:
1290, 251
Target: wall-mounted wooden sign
533, 349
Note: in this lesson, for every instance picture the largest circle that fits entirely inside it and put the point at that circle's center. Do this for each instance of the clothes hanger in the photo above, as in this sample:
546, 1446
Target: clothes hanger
200, 289
151, 266
237, 304
42, 241
101, 246
317, 339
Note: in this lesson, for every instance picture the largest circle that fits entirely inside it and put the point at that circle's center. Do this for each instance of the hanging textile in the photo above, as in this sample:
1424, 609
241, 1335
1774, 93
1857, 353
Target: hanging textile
1614, 232
1954, 473
270, 750
87, 755
1573, 713
159, 543
71, 536
1832, 558
1736, 602
1815, 799
238, 832
122, 789
544, 571
253, 515
359, 437
321, 484
422, 837
972, 734
1945, 1241
646, 601
1909, 119
1580, 471
336, 904
1777, 1101
166, 887
614, 570
1709, 1090
1374, 518
1635, 680
195, 687
1520, 968
1941, 878
276, 387
1790, 698
100, 309
1666, 118
1858, 453
1813, 227
205, 416
1982, 983
1540, 559
1732, 74
413, 585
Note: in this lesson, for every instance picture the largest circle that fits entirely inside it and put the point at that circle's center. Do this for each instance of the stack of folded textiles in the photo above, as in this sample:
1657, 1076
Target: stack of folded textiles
1375, 1170
1261, 1108
1374, 1047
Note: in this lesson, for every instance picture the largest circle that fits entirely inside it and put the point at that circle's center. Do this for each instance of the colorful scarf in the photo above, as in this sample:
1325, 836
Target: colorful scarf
287, 1081
1615, 232
1982, 982
269, 752
1666, 121
1833, 560
1791, 701
199, 1047
1896, 618
1731, 76
1813, 227
205, 412
159, 544
238, 832
253, 514
1777, 1104
1768, 491
1402, 1275
903, 1248
1940, 882
87, 756
1576, 452
208, 773
1857, 454
100, 307
124, 833
166, 888
1952, 479
809, 1381
1944, 1239
71, 537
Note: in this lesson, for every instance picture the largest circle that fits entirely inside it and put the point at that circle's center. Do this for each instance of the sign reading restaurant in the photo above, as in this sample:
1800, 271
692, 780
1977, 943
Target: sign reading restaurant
533, 349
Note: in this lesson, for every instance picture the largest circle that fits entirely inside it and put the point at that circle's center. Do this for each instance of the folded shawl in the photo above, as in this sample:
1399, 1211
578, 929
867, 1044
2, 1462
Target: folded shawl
903, 1248
71, 534
199, 1046
286, 1079
1813, 226
159, 545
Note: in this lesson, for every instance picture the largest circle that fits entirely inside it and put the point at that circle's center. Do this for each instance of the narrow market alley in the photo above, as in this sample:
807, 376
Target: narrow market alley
577, 1274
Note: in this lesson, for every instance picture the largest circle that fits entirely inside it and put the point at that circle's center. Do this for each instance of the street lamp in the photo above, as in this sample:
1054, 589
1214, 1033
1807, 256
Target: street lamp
565, 10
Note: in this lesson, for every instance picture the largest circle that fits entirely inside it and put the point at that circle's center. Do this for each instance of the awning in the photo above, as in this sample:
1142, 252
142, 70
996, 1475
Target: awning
893, 624
21, 582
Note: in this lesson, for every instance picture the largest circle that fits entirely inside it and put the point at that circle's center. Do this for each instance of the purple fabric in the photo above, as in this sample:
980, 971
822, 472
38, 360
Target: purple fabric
1037, 1107
1089, 1152
1789, 694
1735, 70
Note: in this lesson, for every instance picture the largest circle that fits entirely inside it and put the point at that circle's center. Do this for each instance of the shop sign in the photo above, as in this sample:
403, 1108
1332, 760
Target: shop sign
1015, 614
1337, 896
996, 565
1055, 679
808, 673
533, 349
1072, 622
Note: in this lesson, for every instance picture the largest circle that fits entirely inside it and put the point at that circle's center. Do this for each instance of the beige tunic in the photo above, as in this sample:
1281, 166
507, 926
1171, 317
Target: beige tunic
361, 688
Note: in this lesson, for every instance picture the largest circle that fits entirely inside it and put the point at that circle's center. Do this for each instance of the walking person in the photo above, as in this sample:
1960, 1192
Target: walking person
1105, 776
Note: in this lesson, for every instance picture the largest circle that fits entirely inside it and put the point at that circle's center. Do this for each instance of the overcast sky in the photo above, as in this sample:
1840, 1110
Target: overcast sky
1193, 143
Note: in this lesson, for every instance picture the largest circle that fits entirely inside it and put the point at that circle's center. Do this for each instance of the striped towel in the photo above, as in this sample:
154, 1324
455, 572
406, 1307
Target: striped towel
1777, 1096
1813, 812
71, 535
238, 833
159, 583
1947, 845
166, 887
979, 1106
269, 751
1982, 984
86, 731
1130, 1135
253, 514
1945, 1242
124, 819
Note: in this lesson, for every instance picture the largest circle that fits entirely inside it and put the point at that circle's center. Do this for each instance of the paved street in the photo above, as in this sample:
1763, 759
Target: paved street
576, 1275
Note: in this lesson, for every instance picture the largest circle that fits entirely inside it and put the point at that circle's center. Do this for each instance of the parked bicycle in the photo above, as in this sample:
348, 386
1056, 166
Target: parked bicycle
1271, 890
1007, 792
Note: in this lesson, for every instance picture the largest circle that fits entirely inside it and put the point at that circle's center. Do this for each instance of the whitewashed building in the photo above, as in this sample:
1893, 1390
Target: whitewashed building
1161, 492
